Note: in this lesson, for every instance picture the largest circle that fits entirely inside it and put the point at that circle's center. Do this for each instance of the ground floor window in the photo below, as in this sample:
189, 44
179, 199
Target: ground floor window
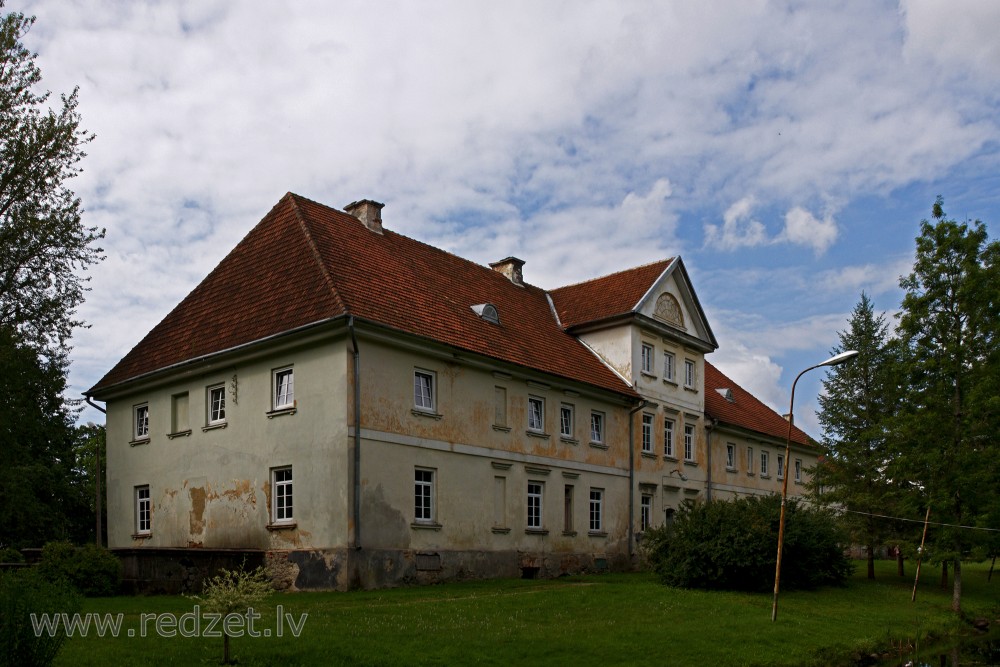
534, 504
281, 494
143, 511
596, 510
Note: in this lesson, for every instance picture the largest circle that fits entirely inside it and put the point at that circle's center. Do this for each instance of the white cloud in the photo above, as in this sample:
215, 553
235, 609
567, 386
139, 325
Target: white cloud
739, 229
803, 228
959, 35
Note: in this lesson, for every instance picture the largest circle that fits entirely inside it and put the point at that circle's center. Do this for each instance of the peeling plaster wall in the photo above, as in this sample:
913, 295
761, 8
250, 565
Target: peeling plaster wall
210, 486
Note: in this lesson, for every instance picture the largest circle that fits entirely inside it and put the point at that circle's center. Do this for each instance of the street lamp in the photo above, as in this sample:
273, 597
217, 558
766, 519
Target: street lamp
835, 360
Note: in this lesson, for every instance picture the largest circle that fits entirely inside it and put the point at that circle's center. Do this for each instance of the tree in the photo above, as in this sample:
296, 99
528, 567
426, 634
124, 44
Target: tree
235, 592
948, 419
855, 408
43, 244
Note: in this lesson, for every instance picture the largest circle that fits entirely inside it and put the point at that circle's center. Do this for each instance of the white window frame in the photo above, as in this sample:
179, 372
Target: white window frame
140, 422
143, 510
690, 373
424, 390
596, 510
536, 499
646, 359
647, 433
597, 427
781, 466
283, 394
764, 463
798, 470
668, 437
216, 416
669, 364
689, 454
424, 500
282, 495
645, 512
536, 418
566, 419
731, 456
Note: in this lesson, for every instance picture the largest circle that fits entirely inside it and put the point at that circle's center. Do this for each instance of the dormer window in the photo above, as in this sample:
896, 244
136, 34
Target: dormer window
487, 311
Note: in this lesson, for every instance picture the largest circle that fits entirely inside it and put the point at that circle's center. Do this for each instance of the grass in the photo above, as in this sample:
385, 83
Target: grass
598, 620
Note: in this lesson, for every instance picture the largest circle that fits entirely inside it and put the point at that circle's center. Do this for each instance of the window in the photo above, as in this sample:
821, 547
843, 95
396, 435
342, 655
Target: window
798, 470
535, 505
566, 420
217, 404
423, 495
536, 414
731, 456
647, 433
423, 390
597, 427
668, 365
140, 430
668, 438
763, 463
689, 373
568, 508
284, 389
143, 511
646, 512
688, 442
749, 460
781, 466
281, 494
596, 514
499, 406
647, 358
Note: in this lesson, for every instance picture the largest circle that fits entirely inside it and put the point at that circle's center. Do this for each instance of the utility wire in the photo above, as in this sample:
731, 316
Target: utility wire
899, 518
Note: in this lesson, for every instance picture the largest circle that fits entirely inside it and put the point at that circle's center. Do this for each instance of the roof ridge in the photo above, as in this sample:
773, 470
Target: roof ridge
735, 385
300, 218
615, 273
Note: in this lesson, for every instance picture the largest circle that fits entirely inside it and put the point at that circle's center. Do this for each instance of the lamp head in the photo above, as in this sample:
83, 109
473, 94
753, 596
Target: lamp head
840, 358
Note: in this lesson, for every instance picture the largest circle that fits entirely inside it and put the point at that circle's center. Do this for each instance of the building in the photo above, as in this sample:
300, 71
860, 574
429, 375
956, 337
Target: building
365, 410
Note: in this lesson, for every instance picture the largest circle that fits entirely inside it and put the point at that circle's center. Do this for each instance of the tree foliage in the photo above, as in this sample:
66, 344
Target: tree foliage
730, 545
235, 592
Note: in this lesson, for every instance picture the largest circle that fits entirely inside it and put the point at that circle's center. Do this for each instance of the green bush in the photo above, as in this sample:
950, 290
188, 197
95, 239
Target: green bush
731, 545
93, 570
11, 555
23, 592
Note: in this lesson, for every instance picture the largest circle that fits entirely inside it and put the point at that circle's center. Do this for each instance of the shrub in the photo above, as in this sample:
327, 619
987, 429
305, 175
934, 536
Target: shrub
731, 545
23, 592
235, 592
93, 570
11, 555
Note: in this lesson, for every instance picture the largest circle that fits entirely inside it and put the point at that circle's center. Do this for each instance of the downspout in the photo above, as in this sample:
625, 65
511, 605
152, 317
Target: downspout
631, 475
709, 427
97, 478
356, 505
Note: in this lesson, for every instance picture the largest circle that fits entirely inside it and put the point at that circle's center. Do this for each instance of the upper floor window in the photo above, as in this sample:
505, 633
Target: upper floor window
689, 376
647, 358
647, 433
798, 470
217, 404
763, 463
750, 462
140, 422
423, 390
668, 438
536, 414
781, 466
669, 361
566, 420
688, 442
284, 389
597, 427
731, 456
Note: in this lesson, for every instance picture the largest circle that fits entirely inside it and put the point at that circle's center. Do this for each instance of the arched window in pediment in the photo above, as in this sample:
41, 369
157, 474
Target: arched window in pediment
668, 310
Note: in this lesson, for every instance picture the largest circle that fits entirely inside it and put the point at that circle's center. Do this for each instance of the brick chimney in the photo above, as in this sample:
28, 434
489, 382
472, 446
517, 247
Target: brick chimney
368, 212
510, 267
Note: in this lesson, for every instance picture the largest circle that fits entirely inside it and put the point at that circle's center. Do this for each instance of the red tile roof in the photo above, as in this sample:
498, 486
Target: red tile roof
305, 262
745, 411
607, 296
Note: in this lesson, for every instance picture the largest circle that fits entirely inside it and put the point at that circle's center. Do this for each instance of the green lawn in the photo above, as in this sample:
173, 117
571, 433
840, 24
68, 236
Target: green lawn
599, 620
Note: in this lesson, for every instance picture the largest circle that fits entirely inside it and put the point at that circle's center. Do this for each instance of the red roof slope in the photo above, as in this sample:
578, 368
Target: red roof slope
745, 410
607, 296
305, 262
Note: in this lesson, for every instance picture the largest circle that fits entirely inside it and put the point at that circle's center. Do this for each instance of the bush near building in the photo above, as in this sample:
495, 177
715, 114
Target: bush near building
92, 570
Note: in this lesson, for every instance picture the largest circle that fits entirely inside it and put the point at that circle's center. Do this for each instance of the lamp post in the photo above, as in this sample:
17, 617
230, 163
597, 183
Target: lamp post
835, 360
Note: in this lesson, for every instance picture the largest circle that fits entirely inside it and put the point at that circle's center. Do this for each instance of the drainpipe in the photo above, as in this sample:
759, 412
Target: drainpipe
709, 427
357, 436
97, 478
631, 475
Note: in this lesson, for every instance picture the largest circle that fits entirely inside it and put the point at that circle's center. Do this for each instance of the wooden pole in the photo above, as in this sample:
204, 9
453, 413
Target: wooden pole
920, 554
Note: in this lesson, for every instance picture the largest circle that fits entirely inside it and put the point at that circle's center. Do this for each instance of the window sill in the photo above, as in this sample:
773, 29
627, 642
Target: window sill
502, 429
648, 455
693, 390
537, 434
416, 412
670, 381
598, 445
729, 469
425, 525
178, 434
765, 476
141, 441
280, 412
285, 525
500, 531
141, 536
689, 462
670, 457
569, 441
749, 474
569, 533
596, 533
212, 427
535, 531
647, 374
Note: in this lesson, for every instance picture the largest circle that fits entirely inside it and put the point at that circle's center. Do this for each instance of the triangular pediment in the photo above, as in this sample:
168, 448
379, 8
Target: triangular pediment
671, 305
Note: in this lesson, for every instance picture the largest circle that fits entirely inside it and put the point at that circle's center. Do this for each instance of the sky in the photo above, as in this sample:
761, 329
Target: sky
787, 151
